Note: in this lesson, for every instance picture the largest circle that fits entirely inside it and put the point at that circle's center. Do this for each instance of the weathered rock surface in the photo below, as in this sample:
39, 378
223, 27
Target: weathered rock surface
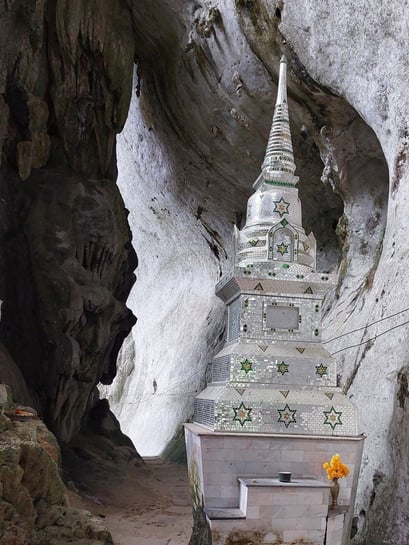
66, 261
33, 504
194, 140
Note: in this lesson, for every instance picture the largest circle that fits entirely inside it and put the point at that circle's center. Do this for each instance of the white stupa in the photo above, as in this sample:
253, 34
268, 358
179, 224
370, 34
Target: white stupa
273, 375
272, 405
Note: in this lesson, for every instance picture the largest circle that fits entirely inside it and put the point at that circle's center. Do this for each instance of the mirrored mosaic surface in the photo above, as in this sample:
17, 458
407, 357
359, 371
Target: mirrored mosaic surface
273, 375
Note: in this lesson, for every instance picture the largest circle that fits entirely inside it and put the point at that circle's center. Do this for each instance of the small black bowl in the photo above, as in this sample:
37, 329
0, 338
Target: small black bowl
284, 476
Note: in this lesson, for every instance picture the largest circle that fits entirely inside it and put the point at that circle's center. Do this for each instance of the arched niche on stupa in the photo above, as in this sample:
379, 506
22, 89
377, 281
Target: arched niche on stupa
282, 243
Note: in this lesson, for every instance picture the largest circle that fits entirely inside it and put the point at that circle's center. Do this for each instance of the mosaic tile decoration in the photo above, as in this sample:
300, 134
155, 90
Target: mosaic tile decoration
287, 416
321, 370
246, 366
315, 413
282, 367
281, 207
242, 414
221, 369
265, 359
204, 412
282, 248
333, 418
285, 281
253, 315
233, 320
273, 375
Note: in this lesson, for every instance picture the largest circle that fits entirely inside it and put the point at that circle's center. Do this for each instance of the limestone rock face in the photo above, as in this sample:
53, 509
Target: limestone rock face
66, 261
204, 91
33, 506
193, 144
194, 140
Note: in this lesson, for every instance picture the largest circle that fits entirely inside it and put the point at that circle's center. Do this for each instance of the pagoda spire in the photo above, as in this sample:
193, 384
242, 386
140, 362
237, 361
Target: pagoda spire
278, 166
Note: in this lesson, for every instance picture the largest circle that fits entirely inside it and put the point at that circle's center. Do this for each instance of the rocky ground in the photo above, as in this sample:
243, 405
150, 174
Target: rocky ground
105, 495
147, 505
34, 507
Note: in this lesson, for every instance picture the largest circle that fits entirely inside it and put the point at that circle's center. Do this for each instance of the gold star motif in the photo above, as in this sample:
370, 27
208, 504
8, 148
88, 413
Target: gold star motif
282, 248
282, 368
281, 207
321, 370
242, 414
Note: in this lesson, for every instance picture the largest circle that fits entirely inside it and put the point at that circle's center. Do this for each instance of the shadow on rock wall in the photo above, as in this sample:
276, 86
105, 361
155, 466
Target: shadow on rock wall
66, 264
206, 90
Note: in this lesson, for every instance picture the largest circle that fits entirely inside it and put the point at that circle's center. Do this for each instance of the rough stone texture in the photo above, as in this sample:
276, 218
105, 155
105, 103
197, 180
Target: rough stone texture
196, 136
193, 159
33, 505
66, 261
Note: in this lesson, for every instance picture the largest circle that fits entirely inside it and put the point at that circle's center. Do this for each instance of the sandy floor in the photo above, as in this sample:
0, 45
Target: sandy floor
143, 505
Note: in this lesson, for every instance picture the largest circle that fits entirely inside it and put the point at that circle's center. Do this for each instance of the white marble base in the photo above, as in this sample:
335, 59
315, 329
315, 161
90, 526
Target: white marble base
223, 466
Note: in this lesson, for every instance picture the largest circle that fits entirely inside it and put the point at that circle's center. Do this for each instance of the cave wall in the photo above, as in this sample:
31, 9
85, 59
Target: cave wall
66, 261
193, 143
202, 105
348, 49
205, 99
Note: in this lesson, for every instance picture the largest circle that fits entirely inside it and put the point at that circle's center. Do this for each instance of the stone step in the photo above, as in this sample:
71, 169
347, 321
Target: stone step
224, 513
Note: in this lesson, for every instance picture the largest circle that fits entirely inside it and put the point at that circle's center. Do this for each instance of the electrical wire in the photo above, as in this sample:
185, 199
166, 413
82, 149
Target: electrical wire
366, 326
141, 398
172, 391
371, 339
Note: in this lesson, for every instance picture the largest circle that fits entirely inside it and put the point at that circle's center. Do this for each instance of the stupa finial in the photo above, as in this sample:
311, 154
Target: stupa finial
282, 82
278, 165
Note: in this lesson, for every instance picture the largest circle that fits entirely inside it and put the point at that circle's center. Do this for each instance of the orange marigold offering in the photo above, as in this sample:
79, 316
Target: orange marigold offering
335, 468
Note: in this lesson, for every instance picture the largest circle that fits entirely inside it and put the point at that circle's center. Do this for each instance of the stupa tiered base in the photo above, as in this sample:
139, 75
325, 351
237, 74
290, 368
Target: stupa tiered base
234, 481
267, 410
273, 375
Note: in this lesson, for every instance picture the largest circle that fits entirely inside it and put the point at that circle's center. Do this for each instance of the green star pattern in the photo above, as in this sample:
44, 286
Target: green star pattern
282, 367
281, 207
242, 414
282, 248
287, 416
333, 418
246, 366
321, 370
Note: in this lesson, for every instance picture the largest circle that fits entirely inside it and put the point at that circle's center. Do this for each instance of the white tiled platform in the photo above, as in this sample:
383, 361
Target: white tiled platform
224, 458
283, 512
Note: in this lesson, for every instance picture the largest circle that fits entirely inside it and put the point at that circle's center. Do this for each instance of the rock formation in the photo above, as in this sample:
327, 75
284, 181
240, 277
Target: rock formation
197, 130
66, 263
34, 508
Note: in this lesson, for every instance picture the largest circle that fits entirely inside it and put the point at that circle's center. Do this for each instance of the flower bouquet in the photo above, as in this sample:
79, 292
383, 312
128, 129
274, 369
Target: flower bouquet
335, 469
